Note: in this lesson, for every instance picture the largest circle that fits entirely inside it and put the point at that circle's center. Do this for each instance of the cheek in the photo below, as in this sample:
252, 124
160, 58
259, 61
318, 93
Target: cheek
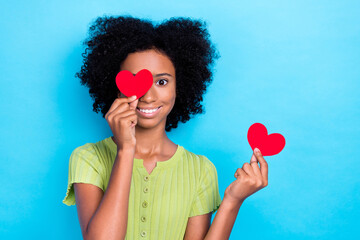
169, 96
169, 100
172, 99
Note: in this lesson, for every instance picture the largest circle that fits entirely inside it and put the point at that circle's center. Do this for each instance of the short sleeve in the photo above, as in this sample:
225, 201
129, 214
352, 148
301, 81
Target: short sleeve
84, 167
207, 197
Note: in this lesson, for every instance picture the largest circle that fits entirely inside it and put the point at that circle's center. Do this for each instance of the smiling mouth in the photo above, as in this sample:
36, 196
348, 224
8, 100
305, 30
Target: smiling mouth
148, 113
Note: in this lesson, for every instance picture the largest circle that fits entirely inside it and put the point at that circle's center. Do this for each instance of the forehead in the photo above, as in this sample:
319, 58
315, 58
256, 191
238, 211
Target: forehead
152, 60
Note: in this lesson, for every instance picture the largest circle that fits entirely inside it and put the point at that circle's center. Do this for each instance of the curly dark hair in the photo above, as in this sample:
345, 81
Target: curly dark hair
185, 41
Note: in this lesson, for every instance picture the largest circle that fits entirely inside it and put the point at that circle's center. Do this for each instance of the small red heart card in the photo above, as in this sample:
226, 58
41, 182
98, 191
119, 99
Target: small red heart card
131, 85
268, 144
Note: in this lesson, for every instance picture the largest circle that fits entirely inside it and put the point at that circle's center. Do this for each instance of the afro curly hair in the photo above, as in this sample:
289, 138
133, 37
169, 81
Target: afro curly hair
185, 41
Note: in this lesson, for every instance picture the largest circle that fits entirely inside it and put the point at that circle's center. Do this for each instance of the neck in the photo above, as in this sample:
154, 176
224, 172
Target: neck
151, 141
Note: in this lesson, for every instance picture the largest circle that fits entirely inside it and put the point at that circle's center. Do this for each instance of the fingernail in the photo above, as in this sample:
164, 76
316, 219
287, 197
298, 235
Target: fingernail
257, 150
133, 97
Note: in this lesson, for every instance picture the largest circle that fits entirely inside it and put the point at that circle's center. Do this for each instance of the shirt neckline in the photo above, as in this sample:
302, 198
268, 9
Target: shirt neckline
138, 162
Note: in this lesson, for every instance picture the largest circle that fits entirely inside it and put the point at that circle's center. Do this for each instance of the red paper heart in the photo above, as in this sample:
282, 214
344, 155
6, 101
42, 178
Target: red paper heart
268, 144
131, 85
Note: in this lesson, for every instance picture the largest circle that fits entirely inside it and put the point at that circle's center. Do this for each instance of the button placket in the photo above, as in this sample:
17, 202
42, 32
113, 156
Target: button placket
144, 213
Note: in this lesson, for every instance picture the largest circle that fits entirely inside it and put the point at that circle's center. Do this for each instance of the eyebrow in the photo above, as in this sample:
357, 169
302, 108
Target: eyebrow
160, 74
163, 74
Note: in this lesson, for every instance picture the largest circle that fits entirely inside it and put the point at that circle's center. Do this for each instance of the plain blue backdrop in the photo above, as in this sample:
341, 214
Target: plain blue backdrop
292, 65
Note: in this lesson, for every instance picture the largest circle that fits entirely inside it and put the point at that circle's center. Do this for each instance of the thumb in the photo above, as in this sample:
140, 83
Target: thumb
134, 104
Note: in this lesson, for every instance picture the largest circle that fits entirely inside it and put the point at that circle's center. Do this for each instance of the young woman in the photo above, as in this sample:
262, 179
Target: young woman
138, 184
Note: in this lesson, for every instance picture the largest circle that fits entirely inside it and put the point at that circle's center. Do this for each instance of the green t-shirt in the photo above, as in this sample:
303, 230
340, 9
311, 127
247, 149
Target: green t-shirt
160, 203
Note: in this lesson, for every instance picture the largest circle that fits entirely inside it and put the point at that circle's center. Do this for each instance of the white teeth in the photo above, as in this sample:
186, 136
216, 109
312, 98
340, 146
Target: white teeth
148, 111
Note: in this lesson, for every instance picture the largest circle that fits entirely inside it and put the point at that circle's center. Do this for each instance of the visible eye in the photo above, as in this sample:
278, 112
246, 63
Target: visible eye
162, 80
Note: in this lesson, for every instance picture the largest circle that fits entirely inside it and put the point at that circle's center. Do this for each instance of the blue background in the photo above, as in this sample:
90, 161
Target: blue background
291, 65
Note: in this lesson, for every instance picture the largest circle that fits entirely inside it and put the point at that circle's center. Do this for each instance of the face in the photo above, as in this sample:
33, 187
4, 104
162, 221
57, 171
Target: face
162, 93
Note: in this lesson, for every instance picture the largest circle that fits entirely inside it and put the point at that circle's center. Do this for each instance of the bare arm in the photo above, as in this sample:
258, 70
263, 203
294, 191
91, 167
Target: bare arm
105, 215
197, 227
249, 179
224, 220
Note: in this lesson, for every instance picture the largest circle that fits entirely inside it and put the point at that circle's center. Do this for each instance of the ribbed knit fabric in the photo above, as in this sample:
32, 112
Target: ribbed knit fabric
160, 203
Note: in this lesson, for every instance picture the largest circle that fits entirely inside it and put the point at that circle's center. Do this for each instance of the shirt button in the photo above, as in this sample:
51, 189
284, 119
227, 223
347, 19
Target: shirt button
145, 204
146, 178
146, 190
143, 233
143, 218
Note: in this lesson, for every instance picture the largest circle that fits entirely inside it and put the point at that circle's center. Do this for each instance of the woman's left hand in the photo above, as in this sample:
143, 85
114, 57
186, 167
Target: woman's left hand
249, 179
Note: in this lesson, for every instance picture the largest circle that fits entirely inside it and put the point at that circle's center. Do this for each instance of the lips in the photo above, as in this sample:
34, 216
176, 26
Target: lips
148, 115
148, 108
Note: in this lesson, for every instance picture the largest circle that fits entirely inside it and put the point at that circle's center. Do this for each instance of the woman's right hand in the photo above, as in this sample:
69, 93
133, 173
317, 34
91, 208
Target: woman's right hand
122, 119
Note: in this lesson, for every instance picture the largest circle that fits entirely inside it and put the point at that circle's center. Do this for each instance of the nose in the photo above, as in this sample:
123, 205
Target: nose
149, 96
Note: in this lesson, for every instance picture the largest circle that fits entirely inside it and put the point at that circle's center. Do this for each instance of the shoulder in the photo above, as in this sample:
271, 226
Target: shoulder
85, 156
198, 158
199, 163
100, 151
83, 153
84, 150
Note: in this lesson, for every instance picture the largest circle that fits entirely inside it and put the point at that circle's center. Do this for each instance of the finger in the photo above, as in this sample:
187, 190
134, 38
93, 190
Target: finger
134, 123
119, 109
248, 169
254, 164
134, 103
131, 120
119, 101
263, 164
240, 173
253, 159
125, 114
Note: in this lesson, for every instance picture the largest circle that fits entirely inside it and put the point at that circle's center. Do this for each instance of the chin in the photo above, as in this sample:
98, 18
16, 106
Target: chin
148, 123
